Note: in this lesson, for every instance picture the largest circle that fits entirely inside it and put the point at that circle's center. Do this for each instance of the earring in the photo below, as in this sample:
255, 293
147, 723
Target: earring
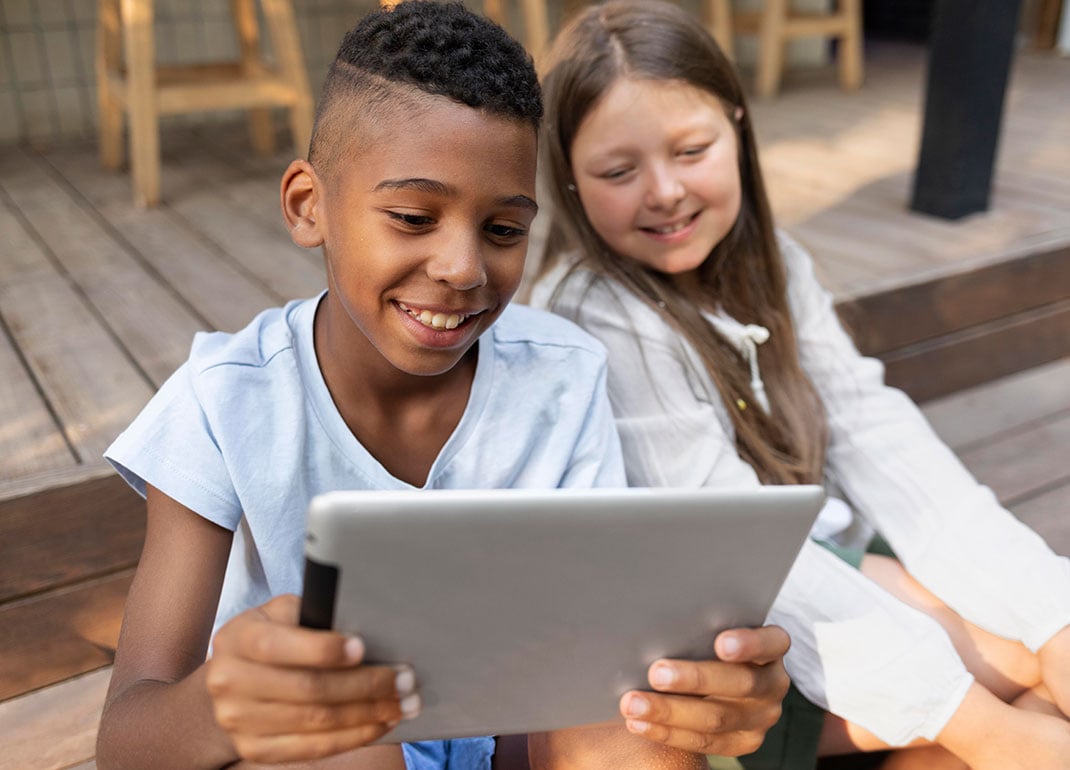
571, 187
739, 114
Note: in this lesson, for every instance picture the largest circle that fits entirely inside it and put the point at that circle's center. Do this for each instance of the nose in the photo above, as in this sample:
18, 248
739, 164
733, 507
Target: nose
459, 262
665, 189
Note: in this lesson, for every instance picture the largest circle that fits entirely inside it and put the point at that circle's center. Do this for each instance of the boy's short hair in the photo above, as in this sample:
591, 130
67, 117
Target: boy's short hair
439, 49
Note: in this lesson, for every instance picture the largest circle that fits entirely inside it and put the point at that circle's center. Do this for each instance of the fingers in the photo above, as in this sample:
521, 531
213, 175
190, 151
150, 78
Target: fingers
752, 645
270, 634
273, 749
267, 718
733, 744
284, 693
235, 677
717, 679
708, 715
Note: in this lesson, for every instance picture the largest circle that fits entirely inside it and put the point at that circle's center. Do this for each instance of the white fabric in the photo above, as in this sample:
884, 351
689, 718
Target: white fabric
246, 433
856, 650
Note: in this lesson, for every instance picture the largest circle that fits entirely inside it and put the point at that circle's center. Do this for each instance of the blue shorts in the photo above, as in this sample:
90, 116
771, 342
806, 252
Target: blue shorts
455, 754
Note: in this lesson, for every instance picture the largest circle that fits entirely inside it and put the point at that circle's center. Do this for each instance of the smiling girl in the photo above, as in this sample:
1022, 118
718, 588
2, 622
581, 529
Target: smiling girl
728, 367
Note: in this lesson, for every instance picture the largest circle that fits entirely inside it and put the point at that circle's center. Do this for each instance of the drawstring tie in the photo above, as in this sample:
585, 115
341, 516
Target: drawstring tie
745, 338
750, 337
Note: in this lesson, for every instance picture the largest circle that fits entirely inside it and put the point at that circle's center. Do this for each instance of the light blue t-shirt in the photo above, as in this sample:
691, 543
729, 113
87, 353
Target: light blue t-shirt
245, 433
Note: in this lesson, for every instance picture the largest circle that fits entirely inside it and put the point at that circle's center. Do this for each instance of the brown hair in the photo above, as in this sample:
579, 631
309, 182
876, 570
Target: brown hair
744, 273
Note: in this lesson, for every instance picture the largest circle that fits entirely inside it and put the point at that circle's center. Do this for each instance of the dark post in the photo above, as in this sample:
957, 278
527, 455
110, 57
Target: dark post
970, 52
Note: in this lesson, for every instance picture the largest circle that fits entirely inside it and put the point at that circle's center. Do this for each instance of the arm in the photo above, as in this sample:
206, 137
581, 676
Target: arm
950, 532
160, 689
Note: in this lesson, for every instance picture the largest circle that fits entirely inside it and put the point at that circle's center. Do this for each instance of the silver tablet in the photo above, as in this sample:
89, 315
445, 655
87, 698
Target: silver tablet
530, 610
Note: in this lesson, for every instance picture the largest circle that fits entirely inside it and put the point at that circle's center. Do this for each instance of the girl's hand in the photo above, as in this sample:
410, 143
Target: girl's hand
722, 706
1054, 659
285, 693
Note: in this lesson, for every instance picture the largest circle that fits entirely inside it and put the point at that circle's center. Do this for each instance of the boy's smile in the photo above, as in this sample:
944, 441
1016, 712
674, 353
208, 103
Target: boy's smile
424, 225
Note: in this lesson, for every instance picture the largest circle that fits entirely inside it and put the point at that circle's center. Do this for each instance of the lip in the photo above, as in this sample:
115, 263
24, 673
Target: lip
440, 338
689, 223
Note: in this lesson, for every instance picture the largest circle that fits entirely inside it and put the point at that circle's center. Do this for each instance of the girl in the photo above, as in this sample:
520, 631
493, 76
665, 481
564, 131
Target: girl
728, 366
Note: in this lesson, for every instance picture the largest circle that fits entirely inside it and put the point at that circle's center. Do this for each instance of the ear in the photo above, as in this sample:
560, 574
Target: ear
301, 192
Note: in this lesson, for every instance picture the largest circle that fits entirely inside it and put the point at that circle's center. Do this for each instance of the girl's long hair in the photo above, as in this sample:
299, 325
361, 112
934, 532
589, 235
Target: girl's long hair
744, 274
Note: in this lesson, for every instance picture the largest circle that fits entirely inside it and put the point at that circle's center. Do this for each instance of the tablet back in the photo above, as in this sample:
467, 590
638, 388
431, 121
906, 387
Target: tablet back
530, 610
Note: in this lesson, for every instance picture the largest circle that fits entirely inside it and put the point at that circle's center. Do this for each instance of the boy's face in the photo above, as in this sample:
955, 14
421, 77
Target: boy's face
425, 229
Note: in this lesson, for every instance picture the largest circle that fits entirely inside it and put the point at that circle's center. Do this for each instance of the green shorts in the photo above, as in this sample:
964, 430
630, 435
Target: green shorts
791, 744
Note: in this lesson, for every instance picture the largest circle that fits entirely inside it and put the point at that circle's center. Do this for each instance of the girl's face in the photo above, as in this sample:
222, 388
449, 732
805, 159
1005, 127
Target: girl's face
657, 171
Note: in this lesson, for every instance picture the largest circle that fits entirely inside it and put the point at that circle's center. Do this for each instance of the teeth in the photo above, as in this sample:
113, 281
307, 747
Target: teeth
668, 230
434, 320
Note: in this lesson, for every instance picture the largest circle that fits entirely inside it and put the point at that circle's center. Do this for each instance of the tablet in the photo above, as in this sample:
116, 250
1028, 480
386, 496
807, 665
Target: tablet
529, 610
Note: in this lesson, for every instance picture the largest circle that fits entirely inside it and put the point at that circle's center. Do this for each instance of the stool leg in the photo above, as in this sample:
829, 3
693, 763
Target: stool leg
850, 52
536, 28
108, 60
493, 11
261, 128
719, 22
279, 15
771, 47
141, 100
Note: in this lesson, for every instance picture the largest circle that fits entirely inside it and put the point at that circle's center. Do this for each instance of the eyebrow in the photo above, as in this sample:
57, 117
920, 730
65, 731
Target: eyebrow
434, 187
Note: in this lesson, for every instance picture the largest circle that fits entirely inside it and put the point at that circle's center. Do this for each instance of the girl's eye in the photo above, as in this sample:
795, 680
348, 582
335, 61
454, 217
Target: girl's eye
506, 233
411, 220
692, 152
615, 173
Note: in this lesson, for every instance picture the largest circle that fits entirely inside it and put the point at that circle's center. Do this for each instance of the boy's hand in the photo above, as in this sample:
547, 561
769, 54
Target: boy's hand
738, 695
285, 693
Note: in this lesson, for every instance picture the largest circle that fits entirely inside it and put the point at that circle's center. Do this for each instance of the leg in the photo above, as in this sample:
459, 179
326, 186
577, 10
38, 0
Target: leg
108, 60
719, 22
141, 100
771, 47
850, 53
261, 132
1005, 668
279, 15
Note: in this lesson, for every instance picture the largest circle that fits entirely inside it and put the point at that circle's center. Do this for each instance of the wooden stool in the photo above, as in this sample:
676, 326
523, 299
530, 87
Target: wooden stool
145, 91
718, 18
776, 24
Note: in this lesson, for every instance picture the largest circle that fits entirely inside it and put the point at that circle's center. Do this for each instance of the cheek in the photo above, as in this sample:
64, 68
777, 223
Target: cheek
609, 210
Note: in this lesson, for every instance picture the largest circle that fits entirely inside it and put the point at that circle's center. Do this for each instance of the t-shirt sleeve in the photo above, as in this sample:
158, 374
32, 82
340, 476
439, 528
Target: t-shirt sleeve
172, 446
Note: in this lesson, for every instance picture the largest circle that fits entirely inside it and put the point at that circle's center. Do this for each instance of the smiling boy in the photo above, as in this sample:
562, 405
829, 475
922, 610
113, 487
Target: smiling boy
409, 371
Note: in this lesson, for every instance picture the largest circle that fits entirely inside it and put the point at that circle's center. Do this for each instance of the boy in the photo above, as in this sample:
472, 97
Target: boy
406, 372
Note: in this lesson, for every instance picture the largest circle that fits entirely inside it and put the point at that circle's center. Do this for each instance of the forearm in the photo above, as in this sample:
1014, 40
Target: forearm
606, 746
162, 725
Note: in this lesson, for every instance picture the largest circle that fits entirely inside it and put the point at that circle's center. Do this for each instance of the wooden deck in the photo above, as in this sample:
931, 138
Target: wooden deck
99, 301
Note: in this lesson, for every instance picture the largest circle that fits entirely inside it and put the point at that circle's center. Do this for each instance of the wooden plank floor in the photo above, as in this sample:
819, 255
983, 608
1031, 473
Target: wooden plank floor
1013, 434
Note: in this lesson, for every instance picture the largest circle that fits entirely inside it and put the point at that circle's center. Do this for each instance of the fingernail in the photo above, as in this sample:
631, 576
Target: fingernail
637, 725
662, 676
354, 649
405, 681
730, 646
637, 706
410, 706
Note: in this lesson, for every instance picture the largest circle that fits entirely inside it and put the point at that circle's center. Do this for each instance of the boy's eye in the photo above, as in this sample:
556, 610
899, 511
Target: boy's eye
412, 220
506, 232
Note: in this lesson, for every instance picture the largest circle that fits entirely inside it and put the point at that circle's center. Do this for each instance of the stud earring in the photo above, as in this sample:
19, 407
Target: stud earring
571, 187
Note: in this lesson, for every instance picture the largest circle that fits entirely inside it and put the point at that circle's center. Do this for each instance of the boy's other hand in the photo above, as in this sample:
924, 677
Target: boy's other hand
722, 706
285, 693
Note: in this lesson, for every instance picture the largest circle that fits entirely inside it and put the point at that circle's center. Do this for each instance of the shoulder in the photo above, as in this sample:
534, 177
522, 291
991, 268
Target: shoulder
598, 303
261, 341
524, 330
